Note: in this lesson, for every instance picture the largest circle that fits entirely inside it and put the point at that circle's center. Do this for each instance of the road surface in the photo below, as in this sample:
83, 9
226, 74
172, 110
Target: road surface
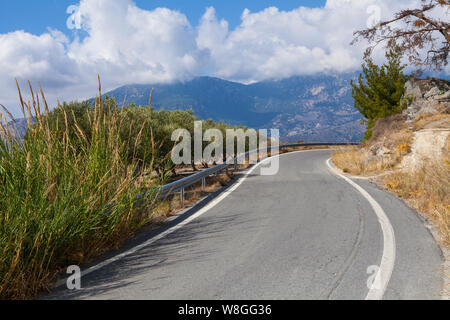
304, 233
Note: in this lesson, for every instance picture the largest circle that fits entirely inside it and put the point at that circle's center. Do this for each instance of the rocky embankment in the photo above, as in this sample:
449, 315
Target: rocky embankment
427, 96
409, 154
420, 134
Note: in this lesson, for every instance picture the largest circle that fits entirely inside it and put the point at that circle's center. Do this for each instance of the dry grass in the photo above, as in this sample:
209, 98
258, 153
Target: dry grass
432, 121
391, 133
389, 124
60, 205
428, 191
358, 162
351, 161
399, 137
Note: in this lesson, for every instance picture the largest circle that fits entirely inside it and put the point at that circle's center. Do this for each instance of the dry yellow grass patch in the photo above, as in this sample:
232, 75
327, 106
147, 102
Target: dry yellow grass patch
428, 191
400, 137
441, 120
362, 162
351, 161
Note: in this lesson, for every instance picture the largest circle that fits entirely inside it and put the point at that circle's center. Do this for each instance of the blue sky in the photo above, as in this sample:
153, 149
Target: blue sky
35, 16
159, 41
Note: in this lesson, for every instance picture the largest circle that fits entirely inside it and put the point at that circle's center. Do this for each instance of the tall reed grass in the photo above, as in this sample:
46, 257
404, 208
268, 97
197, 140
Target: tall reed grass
62, 204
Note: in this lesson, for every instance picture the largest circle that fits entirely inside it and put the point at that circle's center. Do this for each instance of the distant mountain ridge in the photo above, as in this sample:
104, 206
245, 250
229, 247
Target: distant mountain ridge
310, 108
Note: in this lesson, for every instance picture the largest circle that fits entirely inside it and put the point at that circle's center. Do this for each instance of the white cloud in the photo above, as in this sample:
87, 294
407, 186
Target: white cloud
278, 44
141, 45
125, 44
37, 58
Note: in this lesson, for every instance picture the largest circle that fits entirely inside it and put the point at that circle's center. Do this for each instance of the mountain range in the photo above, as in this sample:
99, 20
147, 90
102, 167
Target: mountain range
310, 108
315, 108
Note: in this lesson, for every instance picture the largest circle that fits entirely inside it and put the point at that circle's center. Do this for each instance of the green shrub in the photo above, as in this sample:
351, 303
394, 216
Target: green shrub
68, 190
66, 194
379, 91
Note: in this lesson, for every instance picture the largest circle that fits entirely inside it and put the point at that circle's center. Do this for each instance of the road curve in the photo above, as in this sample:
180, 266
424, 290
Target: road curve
304, 233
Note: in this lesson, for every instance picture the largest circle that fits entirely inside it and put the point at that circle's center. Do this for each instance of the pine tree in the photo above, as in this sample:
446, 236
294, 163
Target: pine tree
379, 90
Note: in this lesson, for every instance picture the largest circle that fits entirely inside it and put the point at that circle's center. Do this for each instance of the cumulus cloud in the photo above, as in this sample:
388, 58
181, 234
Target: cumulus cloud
149, 46
278, 44
125, 44
37, 58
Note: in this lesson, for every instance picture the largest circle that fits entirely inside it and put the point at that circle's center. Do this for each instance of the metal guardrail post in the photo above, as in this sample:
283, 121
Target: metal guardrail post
235, 163
182, 196
203, 183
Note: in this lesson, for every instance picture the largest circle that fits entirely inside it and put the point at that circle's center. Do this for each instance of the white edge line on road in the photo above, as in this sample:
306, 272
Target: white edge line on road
200, 212
383, 276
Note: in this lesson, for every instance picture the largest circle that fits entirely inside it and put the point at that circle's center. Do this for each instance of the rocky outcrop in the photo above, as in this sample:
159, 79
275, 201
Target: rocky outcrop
427, 96
428, 145
408, 142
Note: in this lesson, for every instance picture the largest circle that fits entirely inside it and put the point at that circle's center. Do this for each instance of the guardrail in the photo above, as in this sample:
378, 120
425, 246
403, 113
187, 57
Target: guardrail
182, 184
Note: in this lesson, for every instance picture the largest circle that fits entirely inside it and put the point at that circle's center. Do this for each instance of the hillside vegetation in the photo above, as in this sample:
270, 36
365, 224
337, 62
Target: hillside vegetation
68, 189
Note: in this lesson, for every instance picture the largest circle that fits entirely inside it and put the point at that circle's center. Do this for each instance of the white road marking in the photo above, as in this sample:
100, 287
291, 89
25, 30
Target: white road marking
388, 258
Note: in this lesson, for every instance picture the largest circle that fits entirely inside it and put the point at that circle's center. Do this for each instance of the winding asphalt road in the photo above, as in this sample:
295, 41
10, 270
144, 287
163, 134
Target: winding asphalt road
304, 233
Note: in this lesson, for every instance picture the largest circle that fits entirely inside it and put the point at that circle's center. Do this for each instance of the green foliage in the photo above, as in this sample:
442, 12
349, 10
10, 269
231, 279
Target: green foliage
68, 191
379, 90
153, 128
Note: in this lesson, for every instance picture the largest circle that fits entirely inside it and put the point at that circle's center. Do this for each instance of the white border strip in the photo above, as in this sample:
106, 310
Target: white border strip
383, 276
